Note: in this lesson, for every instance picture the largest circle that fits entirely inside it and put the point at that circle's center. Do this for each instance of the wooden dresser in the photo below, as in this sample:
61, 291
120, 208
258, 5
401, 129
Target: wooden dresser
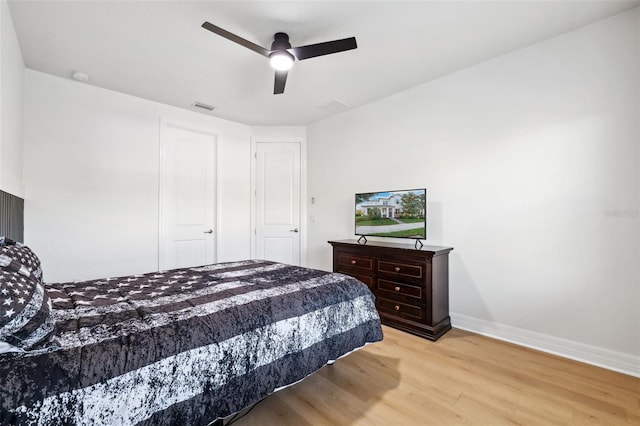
411, 285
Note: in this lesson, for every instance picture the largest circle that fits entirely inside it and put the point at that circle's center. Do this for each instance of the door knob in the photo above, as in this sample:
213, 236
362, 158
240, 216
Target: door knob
293, 230
210, 231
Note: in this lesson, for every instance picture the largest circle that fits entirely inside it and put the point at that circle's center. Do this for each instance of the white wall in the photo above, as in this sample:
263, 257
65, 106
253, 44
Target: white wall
279, 133
91, 175
531, 164
11, 87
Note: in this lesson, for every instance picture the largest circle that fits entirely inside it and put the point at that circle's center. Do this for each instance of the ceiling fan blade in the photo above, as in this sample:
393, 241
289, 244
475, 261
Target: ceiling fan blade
280, 81
237, 39
326, 48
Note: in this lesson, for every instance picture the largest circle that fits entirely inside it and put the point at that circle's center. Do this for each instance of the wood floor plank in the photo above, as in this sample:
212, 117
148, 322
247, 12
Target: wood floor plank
462, 379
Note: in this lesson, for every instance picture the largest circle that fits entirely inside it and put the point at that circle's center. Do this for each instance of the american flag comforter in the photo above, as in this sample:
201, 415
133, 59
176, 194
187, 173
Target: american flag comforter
185, 346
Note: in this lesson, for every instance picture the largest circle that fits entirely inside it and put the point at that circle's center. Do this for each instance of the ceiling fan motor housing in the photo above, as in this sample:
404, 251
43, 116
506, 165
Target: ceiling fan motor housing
280, 42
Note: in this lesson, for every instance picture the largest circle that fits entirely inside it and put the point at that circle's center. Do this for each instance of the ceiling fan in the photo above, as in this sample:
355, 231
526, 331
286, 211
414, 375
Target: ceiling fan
282, 54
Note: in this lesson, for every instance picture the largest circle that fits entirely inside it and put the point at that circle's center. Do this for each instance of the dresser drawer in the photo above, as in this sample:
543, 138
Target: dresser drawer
393, 289
367, 279
400, 309
353, 262
402, 269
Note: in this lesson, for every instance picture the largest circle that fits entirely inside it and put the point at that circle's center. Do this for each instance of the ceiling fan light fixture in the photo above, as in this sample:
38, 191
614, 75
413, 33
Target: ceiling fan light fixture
281, 60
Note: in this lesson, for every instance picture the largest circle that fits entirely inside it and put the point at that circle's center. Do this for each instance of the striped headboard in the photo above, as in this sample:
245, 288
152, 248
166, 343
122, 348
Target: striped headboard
11, 216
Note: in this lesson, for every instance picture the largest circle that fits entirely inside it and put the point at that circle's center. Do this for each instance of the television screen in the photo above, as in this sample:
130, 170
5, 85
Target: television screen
399, 214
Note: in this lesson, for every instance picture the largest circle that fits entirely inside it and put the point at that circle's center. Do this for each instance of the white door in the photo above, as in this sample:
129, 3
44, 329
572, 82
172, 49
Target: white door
187, 198
278, 202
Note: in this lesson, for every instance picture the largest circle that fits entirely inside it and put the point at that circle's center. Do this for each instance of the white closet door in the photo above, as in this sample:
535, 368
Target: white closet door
187, 198
278, 202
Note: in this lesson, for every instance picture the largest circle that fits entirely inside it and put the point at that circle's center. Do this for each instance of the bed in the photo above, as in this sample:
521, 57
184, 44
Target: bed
186, 346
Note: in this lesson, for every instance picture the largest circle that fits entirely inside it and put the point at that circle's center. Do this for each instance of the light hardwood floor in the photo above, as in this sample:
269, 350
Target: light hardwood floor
463, 378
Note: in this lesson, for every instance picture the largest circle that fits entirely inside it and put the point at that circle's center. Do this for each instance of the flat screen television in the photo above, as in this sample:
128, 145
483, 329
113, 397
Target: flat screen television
397, 214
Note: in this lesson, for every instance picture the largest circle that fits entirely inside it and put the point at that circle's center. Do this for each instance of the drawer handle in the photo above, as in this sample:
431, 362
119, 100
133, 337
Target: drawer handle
397, 308
353, 262
397, 289
397, 269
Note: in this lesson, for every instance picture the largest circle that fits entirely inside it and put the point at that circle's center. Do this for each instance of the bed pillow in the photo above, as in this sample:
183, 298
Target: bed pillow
26, 318
19, 258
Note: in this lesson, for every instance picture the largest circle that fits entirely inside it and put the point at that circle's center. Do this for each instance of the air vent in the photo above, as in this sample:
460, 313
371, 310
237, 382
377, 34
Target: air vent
334, 106
203, 106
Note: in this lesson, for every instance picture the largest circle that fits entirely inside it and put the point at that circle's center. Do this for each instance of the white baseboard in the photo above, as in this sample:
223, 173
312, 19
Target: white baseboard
605, 358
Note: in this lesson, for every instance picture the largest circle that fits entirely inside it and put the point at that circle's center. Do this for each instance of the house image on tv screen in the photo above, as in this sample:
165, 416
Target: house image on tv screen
398, 214
389, 206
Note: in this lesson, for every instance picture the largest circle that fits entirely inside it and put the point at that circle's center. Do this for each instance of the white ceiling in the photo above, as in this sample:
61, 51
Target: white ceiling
158, 51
